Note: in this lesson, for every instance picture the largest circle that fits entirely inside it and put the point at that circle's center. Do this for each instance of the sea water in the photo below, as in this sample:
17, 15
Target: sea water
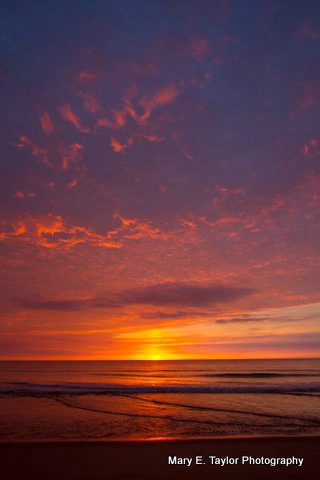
106, 400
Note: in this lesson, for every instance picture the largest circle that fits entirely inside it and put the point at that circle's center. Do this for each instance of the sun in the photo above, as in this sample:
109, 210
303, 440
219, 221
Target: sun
155, 357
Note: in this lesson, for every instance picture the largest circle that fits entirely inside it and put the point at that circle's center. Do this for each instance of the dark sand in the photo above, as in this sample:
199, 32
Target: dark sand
149, 460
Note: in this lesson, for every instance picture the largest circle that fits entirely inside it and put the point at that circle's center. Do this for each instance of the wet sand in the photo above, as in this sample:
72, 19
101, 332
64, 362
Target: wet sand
139, 460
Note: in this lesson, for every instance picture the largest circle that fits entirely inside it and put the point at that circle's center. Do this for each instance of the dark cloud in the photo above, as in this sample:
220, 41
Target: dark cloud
163, 294
247, 319
183, 294
159, 314
63, 305
244, 319
66, 305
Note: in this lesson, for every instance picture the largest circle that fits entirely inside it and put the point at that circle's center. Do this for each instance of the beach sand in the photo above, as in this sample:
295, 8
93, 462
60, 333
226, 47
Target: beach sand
124, 460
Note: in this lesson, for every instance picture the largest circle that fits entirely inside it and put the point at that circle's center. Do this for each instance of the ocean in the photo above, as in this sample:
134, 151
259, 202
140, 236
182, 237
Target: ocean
110, 400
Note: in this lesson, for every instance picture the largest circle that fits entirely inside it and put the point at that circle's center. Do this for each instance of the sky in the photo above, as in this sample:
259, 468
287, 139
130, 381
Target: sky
160, 179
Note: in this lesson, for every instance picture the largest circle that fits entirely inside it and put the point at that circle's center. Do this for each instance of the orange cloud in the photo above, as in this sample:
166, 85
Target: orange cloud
188, 223
134, 229
153, 138
21, 194
52, 232
46, 122
119, 118
119, 147
69, 116
73, 183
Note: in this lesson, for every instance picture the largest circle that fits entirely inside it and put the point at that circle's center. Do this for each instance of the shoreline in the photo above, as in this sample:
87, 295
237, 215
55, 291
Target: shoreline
148, 459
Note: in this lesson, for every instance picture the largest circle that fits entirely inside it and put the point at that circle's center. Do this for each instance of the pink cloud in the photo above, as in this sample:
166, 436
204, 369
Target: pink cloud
149, 102
73, 183
153, 138
134, 229
141, 69
21, 194
308, 31
86, 76
224, 192
118, 120
119, 147
90, 102
46, 122
307, 98
37, 151
69, 116
71, 155
312, 148
162, 97
198, 48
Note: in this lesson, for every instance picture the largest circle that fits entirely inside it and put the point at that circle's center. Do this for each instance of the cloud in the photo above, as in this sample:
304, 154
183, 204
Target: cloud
164, 294
183, 294
118, 120
162, 97
198, 48
223, 193
64, 305
46, 122
69, 116
71, 155
73, 183
37, 151
162, 315
246, 319
21, 194
52, 232
85, 76
132, 228
118, 147
308, 31
90, 102
312, 148
306, 99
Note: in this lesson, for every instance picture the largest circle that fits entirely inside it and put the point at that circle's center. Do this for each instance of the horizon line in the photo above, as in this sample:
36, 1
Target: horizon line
150, 360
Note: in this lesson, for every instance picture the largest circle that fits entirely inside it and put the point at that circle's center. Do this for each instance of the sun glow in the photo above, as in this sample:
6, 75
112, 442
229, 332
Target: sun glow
155, 357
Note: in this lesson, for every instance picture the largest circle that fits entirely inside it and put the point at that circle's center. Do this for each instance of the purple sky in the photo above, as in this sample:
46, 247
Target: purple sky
160, 179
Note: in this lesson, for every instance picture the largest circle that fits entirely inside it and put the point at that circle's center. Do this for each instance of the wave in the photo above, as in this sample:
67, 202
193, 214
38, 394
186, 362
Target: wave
29, 388
210, 375
290, 421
